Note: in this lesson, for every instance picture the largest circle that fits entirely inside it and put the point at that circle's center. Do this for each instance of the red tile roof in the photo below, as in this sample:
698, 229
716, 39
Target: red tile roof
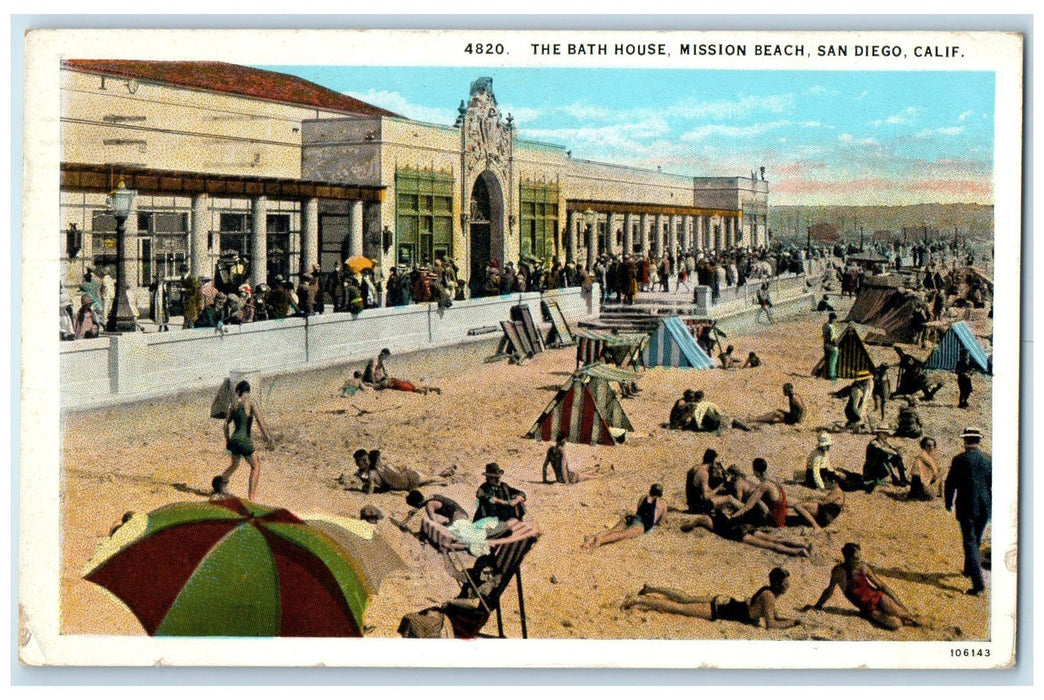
231, 79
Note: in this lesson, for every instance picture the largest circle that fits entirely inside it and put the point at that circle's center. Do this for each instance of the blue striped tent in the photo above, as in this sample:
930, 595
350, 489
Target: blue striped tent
958, 337
672, 346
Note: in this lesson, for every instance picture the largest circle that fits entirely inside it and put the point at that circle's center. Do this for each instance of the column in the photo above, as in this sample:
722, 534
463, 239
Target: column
628, 234
258, 241
199, 257
355, 231
592, 244
672, 239
610, 233
574, 221
309, 234
658, 240
131, 257
643, 224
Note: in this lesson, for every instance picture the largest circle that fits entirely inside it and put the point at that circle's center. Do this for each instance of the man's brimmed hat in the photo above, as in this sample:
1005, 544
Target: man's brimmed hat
493, 469
972, 433
824, 440
863, 375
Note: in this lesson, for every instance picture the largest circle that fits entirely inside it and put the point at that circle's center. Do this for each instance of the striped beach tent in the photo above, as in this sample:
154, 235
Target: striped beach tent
958, 337
585, 411
624, 347
852, 356
672, 346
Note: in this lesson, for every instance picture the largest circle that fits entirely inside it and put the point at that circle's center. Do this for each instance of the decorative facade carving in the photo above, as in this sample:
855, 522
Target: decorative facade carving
486, 136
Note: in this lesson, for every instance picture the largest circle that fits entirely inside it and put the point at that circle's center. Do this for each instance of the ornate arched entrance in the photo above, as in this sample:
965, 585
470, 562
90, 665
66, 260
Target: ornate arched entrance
486, 230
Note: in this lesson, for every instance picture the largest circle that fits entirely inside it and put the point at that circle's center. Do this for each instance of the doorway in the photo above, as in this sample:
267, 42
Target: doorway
486, 237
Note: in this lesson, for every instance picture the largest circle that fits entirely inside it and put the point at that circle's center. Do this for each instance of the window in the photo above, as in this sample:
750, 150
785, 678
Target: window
538, 207
423, 216
162, 245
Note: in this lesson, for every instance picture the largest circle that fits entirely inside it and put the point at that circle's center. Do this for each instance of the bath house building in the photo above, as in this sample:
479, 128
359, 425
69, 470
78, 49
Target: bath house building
286, 173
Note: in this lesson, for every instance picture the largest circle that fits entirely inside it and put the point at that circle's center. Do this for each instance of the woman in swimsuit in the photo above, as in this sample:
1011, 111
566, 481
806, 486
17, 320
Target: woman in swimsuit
746, 532
242, 414
649, 513
760, 606
875, 600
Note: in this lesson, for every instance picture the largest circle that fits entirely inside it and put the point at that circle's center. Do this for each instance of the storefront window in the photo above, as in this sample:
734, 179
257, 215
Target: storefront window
423, 216
539, 221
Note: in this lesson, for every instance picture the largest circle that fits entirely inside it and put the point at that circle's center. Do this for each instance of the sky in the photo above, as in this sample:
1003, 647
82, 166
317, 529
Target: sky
824, 137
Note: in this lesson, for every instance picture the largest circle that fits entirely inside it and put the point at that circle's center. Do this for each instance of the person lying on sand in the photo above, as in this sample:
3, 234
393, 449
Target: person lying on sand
751, 611
752, 361
376, 375
559, 463
747, 532
819, 512
374, 475
875, 600
648, 514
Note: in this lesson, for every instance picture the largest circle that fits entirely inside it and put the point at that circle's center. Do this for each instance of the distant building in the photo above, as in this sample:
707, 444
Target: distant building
287, 173
824, 233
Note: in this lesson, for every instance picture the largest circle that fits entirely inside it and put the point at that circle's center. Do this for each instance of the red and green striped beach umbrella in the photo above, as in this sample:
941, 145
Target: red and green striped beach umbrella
233, 568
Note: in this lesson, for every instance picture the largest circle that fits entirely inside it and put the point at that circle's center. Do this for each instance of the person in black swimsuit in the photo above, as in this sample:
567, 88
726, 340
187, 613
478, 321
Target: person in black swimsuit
760, 606
649, 513
437, 507
242, 414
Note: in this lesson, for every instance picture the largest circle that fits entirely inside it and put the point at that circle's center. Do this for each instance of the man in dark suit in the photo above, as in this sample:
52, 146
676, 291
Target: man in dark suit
969, 488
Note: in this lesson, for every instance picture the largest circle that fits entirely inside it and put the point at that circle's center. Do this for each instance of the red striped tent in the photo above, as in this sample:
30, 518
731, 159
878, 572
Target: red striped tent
585, 411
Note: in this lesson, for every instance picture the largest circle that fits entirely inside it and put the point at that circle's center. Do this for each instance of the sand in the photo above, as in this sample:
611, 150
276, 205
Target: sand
142, 456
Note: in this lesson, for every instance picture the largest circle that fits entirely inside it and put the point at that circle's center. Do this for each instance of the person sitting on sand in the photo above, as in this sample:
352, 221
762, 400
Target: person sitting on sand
760, 606
497, 499
376, 375
752, 361
824, 304
727, 360
438, 508
908, 423
874, 599
219, 489
883, 461
648, 514
925, 483
768, 493
704, 485
681, 411
354, 385
559, 463
706, 417
794, 412
819, 512
818, 472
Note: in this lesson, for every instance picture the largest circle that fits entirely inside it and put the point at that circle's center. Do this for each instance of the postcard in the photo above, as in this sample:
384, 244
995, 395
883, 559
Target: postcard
622, 349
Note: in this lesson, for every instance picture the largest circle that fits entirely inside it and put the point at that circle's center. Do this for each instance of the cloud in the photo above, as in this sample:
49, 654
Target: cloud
906, 116
399, 104
729, 131
521, 114
965, 115
584, 111
941, 131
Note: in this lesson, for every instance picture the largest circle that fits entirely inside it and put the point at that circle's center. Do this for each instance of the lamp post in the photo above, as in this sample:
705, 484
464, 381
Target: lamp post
121, 318
592, 243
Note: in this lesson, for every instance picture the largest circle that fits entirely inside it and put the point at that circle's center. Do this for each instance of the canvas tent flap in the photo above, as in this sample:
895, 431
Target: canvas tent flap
672, 346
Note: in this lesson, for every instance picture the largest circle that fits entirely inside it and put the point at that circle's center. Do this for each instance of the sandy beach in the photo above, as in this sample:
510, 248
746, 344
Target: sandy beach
139, 457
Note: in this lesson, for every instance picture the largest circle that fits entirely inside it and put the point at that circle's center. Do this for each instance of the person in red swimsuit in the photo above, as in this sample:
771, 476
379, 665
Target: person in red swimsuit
875, 600
767, 492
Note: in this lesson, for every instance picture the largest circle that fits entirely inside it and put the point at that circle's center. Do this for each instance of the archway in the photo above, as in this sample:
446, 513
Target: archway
486, 234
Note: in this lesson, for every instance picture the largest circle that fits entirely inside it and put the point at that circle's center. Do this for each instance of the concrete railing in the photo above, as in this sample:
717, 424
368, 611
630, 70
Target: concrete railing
133, 366
732, 299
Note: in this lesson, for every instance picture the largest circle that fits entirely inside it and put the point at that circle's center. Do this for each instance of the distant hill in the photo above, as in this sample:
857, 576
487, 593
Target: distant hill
972, 220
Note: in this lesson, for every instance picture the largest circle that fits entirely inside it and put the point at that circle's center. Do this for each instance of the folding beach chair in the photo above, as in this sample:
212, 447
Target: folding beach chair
521, 314
561, 334
505, 560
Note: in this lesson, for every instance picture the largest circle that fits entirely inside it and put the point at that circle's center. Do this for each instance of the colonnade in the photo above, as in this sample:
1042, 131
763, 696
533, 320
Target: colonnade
615, 233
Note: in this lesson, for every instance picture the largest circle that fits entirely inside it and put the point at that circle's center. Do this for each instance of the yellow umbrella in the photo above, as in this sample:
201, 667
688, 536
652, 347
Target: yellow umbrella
359, 263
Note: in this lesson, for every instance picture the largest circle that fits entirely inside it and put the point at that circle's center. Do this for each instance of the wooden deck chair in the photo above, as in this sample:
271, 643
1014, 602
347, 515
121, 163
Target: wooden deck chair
514, 340
505, 558
521, 314
560, 334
